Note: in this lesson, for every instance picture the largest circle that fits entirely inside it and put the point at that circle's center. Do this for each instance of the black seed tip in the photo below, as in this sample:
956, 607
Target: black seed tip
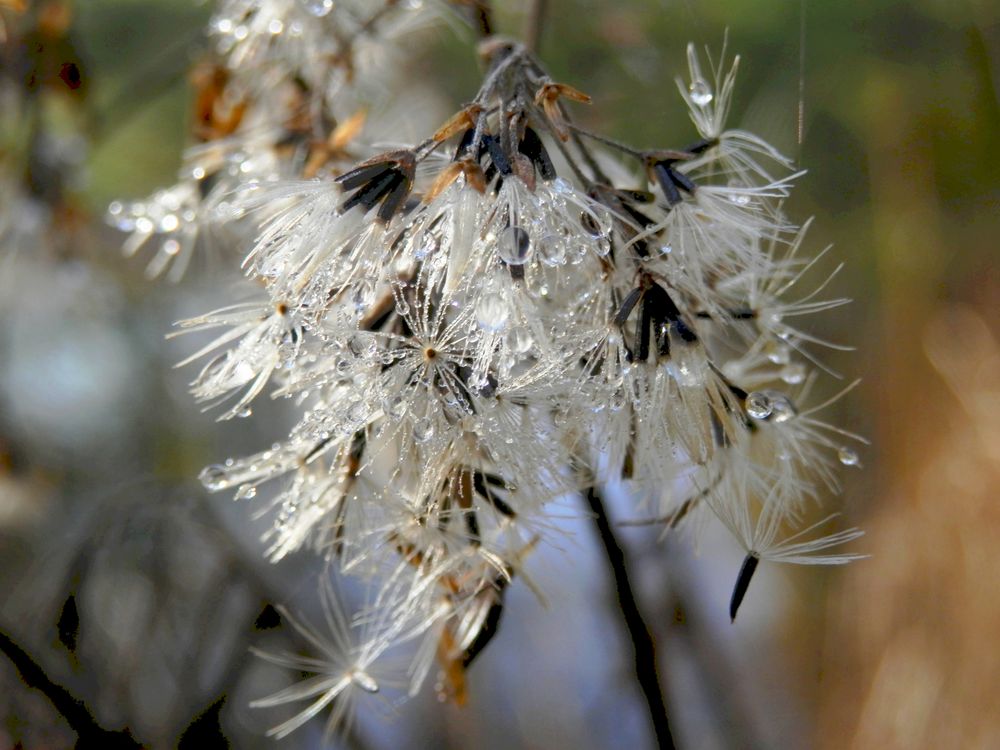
69, 624
267, 619
742, 582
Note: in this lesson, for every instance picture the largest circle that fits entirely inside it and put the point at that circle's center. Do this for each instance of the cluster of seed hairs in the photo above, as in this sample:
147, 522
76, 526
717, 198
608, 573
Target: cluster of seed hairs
475, 326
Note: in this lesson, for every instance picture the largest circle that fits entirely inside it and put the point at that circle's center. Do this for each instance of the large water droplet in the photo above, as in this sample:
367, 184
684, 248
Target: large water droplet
514, 246
758, 405
492, 312
700, 92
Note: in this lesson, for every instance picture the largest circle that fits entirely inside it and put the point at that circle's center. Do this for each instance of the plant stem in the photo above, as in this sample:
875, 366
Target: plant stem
72, 709
642, 641
533, 24
482, 17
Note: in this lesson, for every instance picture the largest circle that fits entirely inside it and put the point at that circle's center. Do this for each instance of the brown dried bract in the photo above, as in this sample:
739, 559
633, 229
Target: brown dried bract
548, 98
214, 117
473, 173
335, 146
461, 121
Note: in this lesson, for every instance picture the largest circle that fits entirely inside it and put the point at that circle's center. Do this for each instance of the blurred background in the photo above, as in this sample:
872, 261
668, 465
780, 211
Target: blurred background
141, 594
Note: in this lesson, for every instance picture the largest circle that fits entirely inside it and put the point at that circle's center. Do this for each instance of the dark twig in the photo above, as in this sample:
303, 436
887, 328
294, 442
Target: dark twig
642, 640
79, 718
482, 17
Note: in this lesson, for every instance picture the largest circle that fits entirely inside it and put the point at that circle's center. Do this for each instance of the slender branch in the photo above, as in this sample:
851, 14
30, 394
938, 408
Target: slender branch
642, 641
611, 142
72, 709
533, 24
482, 17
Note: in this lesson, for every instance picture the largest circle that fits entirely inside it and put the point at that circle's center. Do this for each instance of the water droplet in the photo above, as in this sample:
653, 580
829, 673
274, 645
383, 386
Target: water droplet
364, 295
848, 457
404, 266
685, 374
169, 223
214, 477
319, 8
552, 250
428, 244
794, 373
700, 92
562, 185
358, 412
758, 405
781, 354
514, 246
492, 312
364, 681
246, 492
666, 249
520, 340
617, 402
394, 406
782, 408
244, 413
423, 430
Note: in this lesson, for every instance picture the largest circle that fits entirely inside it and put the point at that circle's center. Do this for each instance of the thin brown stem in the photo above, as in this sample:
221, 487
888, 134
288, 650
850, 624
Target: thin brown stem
534, 23
643, 646
482, 16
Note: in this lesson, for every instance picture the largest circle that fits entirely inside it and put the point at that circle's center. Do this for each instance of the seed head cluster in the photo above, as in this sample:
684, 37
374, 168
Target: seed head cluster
478, 325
